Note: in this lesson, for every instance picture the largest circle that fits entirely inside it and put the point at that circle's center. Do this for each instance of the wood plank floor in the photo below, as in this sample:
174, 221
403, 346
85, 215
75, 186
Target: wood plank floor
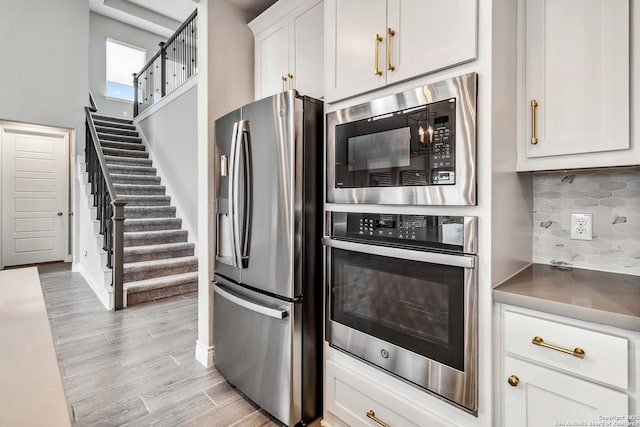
137, 367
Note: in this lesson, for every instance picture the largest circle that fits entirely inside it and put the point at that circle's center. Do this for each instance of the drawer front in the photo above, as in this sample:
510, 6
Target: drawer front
351, 398
606, 357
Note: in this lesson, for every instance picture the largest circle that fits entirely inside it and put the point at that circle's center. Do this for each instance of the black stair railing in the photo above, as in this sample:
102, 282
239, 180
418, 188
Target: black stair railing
175, 63
109, 209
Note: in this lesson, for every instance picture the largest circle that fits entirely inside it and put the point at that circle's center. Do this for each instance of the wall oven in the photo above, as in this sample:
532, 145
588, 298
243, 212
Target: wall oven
414, 148
401, 295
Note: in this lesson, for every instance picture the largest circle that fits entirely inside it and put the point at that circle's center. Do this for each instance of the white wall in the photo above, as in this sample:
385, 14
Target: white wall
44, 53
225, 58
100, 29
170, 128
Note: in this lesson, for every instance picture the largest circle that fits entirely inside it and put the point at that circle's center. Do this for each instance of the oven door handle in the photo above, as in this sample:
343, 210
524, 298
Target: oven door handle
465, 261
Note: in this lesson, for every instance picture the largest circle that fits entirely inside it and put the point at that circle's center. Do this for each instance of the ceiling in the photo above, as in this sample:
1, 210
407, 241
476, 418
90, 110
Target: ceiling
162, 17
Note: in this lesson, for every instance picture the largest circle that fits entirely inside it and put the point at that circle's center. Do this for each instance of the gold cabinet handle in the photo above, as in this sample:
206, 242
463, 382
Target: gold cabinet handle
371, 414
534, 105
513, 380
390, 33
577, 352
377, 71
284, 82
291, 86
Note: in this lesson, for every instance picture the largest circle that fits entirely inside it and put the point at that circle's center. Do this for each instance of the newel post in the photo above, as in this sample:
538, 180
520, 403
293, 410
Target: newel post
135, 94
163, 69
118, 253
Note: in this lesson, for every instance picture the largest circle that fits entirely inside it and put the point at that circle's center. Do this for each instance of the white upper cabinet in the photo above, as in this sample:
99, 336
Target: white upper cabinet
429, 35
574, 84
373, 43
289, 48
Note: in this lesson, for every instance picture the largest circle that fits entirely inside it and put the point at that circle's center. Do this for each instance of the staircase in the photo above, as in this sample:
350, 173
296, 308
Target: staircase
158, 260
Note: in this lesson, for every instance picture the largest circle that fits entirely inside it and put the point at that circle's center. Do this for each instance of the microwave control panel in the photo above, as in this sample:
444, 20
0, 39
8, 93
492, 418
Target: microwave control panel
411, 230
441, 131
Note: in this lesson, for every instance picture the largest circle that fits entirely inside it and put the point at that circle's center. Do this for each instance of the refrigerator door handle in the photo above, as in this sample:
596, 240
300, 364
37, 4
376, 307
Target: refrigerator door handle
233, 178
245, 133
250, 305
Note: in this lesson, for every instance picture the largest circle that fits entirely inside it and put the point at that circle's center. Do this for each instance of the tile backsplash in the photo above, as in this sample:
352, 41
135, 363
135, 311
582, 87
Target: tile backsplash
611, 195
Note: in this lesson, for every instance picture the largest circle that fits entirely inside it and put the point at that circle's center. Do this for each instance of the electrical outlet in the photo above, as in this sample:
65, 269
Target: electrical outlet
582, 226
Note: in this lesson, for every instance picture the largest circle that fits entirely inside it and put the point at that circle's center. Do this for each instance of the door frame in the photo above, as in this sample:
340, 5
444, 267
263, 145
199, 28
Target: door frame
70, 134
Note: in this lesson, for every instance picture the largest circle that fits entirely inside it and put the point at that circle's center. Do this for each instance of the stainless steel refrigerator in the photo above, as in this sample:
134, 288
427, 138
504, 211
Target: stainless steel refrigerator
267, 292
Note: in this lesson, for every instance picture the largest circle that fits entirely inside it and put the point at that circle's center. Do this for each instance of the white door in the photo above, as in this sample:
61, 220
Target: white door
35, 195
430, 35
272, 59
308, 51
544, 398
577, 70
354, 28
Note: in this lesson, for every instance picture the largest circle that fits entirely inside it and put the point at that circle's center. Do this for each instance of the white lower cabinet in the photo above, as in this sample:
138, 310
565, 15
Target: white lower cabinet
359, 402
542, 397
560, 371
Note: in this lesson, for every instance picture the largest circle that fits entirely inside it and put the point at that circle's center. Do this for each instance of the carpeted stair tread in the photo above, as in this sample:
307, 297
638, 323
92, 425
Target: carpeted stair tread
131, 170
116, 131
139, 189
123, 145
105, 118
149, 211
152, 224
111, 124
125, 161
161, 251
122, 138
145, 199
144, 238
135, 271
118, 178
161, 282
124, 153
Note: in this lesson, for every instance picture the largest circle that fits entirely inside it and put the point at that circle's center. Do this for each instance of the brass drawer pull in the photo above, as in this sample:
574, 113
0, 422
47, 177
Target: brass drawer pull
390, 33
284, 81
534, 105
377, 71
577, 352
371, 414
513, 380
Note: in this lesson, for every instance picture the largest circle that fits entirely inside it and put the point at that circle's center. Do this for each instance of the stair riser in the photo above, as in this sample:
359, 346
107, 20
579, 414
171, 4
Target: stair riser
158, 255
156, 294
110, 137
161, 212
155, 240
108, 124
159, 271
137, 179
116, 131
112, 119
123, 145
127, 170
125, 153
175, 225
124, 161
144, 191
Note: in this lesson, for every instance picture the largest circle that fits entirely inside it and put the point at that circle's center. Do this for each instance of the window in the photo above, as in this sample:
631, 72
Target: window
122, 61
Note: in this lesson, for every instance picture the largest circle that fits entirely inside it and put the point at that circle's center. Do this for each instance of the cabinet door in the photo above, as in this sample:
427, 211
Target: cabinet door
576, 66
430, 35
272, 59
544, 397
351, 29
308, 51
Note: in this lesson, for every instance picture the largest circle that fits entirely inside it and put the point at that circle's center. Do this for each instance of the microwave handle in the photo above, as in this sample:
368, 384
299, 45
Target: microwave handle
465, 261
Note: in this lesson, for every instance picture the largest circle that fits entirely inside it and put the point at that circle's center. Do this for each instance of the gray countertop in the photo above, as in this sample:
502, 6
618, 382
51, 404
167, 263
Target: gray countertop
593, 296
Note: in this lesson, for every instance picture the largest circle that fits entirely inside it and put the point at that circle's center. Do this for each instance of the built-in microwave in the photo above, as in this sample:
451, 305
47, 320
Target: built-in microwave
417, 147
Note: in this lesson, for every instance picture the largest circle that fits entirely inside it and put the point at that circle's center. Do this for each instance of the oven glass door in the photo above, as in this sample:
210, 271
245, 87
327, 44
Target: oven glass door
415, 305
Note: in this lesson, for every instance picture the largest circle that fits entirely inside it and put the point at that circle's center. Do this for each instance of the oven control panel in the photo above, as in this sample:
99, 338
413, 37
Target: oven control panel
425, 231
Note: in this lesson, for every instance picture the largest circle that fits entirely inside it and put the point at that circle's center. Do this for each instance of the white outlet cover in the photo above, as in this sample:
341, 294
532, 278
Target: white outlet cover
581, 226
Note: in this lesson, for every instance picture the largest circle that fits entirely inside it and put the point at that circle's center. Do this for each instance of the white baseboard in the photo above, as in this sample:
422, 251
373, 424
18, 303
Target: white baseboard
105, 297
204, 354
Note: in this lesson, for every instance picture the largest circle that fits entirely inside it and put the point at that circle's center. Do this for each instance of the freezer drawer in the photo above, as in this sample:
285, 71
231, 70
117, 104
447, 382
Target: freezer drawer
255, 348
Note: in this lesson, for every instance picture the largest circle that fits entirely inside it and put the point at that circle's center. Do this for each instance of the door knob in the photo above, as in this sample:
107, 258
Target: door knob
513, 380
59, 213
